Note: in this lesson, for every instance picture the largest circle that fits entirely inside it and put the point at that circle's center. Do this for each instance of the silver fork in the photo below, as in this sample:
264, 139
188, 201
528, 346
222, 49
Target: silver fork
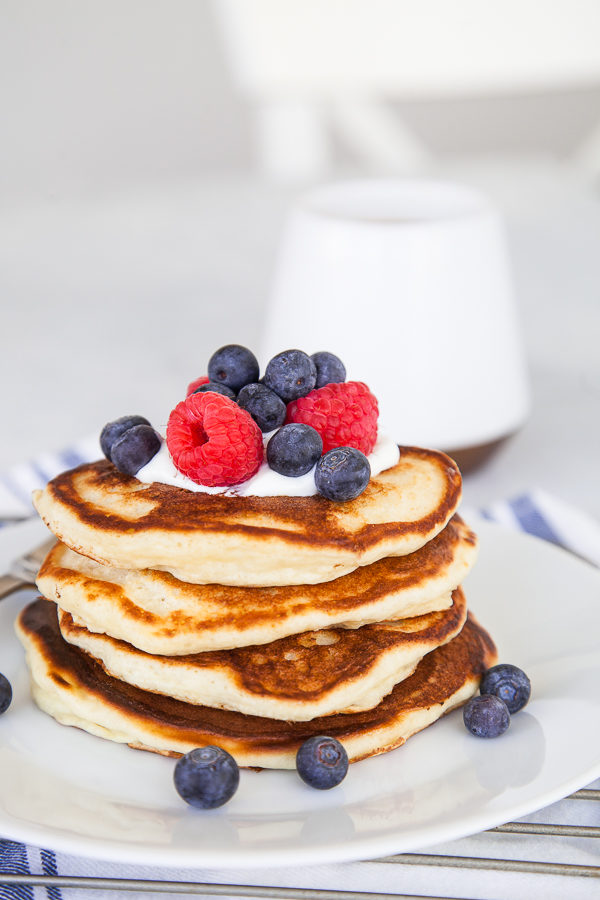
22, 571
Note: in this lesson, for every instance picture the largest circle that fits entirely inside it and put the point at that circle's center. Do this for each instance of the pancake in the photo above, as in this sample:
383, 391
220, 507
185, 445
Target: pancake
157, 613
74, 689
296, 678
208, 538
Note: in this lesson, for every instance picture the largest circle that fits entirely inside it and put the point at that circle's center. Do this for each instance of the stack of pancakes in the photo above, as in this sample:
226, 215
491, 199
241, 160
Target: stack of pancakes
176, 619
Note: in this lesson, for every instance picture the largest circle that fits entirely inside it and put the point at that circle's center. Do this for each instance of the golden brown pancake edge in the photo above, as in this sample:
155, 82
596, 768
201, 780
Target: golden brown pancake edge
212, 617
445, 678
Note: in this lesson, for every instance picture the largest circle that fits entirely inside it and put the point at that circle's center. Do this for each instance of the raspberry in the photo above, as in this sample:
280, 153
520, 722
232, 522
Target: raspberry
345, 415
193, 385
213, 441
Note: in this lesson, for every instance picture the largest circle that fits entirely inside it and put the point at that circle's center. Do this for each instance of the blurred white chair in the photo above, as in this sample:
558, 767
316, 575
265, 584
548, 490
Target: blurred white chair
325, 70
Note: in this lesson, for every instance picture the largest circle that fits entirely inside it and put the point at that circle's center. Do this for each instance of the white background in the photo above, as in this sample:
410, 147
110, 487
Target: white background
137, 233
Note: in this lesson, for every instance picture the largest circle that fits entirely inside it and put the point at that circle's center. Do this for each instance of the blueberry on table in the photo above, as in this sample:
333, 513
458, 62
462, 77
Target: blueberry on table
294, 449
509, 683
486, 716
113, 431
135, 448
266, 408
234, 366
322, 762
5, 693
291, 374
330, 368
342, 473
216, 388
206, 777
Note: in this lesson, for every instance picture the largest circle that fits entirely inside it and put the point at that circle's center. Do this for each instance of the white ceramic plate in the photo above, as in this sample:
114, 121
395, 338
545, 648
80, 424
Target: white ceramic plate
64, 789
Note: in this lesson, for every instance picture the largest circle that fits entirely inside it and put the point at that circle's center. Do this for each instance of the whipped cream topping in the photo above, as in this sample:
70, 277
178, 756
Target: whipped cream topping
266, 482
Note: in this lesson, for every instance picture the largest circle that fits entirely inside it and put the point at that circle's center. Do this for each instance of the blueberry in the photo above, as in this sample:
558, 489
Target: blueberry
509, 684
486, 716
216, 388
342, 473
322, 762
266, 408
294, 449
5, 693
234, 366
206, 777
113, 430
291, 374
330, 368
135, 448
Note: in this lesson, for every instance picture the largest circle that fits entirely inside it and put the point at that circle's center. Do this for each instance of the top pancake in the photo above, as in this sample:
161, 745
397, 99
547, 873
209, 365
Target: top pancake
214, 538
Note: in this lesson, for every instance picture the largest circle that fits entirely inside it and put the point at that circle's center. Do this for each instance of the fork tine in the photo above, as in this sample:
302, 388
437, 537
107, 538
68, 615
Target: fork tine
37, 554
26, 566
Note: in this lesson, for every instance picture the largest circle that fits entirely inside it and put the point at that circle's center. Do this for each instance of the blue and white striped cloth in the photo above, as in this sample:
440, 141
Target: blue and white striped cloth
546, 516
537, 513
19, 859
18, 482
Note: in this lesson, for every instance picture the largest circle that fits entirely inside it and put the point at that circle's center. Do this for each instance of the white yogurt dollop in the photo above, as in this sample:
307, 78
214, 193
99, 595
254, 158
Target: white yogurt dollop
266, 482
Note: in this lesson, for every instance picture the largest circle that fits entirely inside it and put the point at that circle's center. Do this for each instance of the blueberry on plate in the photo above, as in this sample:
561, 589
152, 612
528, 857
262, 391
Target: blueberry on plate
330, 368
266, 408
486, 716
234, 366
216, 388
291, 374
135, 448
294, 449
322, 762
206, 777
509, 683
5, 693
342, 473
113, 431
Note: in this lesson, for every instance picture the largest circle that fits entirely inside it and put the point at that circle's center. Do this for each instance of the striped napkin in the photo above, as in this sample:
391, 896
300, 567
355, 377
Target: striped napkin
18, 482
535, 512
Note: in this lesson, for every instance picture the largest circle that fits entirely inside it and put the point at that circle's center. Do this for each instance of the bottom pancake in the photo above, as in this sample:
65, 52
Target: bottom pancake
75, 690
296, 678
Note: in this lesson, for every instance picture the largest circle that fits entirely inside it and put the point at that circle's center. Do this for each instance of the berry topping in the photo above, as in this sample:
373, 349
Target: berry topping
113, 430
330, 368
342, 474
234, 366
509, 683
216, 388
206, 777
486, 716
213, 441
322, 762
196, 383
291, 374
136, 447
294, 449
345, 415
266, 408
5, 694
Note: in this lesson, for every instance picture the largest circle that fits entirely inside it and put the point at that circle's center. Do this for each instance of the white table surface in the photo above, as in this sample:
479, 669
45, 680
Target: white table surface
111, 303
